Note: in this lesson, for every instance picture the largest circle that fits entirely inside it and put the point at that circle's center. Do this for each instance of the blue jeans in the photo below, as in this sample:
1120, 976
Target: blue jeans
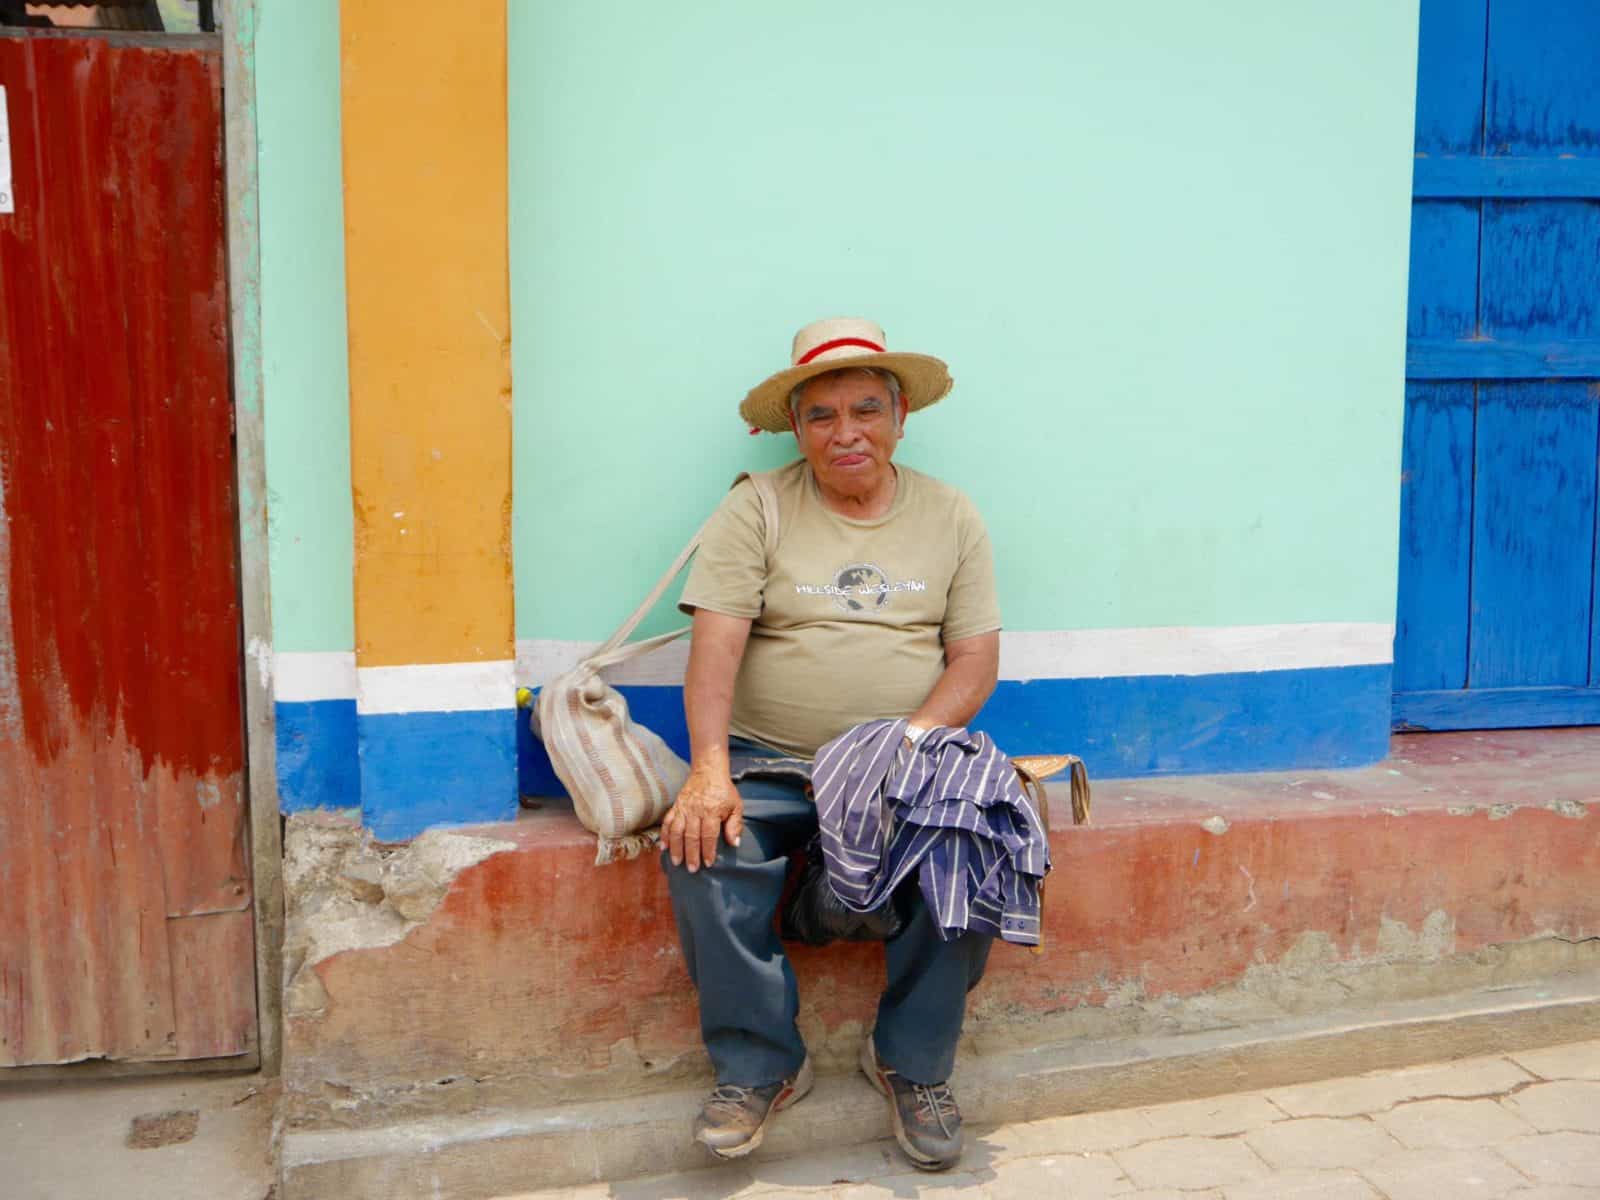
748, 995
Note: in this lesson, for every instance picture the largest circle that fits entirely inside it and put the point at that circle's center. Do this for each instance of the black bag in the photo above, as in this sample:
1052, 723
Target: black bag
816, 916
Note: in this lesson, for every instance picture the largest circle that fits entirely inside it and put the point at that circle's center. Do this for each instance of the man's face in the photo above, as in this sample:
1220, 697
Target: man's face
848, 428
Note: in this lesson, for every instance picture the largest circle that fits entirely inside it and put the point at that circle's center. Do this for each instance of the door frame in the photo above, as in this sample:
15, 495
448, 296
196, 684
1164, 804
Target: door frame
236, 19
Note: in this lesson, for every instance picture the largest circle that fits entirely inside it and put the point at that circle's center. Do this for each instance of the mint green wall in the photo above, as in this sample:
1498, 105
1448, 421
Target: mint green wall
305, 377
1162, 245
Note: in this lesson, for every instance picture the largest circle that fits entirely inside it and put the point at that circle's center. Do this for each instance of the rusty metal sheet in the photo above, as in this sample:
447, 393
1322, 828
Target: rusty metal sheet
214, 1002
121, 739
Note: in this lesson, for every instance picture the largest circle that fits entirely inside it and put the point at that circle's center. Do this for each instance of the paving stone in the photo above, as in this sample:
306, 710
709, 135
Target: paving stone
713, 1183
1190, 1162
1452, 1124
1087, 1131
1384, 1089
1443, 1175
1571, 1158
1304, 1185
945, 1185
1215, 1116
1566, 1104
1081, 1176
1322, 1143
1576, 1060
828, 1168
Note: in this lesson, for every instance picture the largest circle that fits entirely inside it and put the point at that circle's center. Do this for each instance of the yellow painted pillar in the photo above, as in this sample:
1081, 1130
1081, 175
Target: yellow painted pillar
424, 130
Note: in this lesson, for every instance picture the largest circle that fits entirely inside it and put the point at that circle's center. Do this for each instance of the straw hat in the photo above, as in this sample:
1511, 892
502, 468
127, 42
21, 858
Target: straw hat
833, 344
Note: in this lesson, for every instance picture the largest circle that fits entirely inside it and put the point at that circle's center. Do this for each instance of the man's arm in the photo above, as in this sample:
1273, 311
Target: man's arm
971, 669
708, 803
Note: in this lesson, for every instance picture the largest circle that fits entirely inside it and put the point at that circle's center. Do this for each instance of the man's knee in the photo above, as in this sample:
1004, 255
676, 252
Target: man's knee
977, 957
743, 872
682, 883
727, 857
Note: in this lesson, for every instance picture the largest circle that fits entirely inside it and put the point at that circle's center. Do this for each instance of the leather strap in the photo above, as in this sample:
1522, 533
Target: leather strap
1036, 768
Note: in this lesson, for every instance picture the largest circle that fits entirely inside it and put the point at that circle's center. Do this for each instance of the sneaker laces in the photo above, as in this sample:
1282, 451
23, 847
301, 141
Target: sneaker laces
936, 1103
729, 1095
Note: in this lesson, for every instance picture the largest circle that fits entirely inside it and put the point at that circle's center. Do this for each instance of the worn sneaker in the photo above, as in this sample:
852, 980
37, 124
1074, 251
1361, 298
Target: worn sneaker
734, 1119
927, 1123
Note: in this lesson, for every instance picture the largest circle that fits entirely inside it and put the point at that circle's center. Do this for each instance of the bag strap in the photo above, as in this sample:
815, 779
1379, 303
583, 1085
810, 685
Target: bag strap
607, 649
613, 651
1039, 767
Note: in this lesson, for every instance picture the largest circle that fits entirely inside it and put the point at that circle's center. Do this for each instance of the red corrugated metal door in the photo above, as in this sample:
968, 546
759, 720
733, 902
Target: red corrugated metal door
125, 927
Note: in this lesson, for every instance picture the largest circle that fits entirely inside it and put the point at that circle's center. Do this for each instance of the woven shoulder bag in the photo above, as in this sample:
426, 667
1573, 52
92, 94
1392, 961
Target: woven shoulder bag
621, 776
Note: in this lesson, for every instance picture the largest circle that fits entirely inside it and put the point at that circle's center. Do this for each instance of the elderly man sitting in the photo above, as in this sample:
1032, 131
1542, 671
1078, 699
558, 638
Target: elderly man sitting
878, 601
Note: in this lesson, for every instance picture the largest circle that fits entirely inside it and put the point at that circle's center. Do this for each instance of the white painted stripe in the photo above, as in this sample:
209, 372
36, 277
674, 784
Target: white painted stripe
302, 676
1066, 654
437, 687
1192, 650
540, 660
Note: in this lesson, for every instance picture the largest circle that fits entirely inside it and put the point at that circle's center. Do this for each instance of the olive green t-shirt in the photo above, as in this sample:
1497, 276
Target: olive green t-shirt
850, 619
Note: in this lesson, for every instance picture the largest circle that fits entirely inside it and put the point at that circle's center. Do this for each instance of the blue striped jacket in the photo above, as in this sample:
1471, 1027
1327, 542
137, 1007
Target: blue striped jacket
949, 809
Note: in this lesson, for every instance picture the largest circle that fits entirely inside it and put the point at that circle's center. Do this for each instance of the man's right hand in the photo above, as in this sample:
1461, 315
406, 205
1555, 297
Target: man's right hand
708, 805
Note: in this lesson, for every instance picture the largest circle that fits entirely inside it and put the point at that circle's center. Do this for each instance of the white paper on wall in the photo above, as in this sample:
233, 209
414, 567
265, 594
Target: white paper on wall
7, 204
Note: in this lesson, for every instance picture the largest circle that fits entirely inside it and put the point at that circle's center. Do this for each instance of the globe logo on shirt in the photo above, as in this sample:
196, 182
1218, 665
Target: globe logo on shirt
861, 588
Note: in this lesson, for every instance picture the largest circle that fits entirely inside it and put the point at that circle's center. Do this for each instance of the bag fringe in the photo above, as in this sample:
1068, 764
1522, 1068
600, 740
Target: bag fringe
631, 845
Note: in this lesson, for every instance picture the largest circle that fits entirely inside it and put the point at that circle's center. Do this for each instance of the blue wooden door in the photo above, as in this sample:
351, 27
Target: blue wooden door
1498, 622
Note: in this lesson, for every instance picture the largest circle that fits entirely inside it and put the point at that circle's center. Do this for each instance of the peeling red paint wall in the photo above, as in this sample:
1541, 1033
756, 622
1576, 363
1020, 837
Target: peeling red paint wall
117, 435
121, 750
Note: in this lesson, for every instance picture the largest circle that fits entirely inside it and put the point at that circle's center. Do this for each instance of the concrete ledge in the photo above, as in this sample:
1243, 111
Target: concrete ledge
513, 1150
497, 967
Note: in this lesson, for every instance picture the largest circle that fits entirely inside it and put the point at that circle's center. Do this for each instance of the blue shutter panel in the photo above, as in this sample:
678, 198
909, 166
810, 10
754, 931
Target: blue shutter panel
1497, 620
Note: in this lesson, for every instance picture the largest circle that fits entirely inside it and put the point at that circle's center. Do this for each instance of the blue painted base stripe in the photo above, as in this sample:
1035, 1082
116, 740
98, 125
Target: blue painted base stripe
317, 766
420, 769
1200, 724
1131, 726
424, 769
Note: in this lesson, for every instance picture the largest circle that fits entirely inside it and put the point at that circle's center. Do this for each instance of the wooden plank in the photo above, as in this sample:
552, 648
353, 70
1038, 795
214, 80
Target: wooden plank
1435, 546
1505, 178
1542, 85
1442, 302
1533, 535
1540, 272
1498, 708
1594, 594
1541, 283
214, 1000
1431, 618
1540, 286
240, 19
1450, 76
1485, 358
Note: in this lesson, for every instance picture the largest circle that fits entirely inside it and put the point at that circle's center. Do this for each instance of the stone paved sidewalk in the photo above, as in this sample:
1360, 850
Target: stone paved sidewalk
1523, 1125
